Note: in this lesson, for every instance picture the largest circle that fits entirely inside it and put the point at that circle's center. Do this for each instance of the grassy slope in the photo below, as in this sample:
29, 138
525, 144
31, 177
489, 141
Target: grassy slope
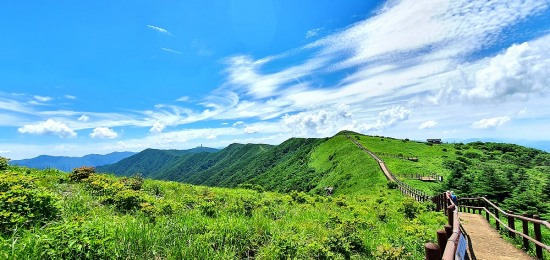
430, 158
149, 161
279, 226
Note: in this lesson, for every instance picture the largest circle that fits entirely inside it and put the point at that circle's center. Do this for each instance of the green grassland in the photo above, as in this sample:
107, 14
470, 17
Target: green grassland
515, 177
53, 215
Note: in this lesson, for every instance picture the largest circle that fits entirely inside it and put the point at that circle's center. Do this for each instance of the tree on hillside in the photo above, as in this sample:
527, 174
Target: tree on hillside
3, 163
527, 197
459, 180
492, 184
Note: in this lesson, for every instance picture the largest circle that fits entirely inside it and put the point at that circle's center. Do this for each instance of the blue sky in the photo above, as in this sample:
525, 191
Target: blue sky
127, 75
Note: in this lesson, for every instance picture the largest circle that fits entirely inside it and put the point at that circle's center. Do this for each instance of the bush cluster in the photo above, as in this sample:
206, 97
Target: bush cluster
125, 193
81, 173
73, 240
22, 203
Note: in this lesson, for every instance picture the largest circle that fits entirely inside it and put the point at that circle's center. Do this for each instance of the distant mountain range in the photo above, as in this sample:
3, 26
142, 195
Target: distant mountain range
538, 144
65, 163
282, 167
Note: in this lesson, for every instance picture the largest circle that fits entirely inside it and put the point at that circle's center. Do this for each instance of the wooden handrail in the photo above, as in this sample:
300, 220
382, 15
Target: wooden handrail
512, 230
538, 221
539, 246
452, 242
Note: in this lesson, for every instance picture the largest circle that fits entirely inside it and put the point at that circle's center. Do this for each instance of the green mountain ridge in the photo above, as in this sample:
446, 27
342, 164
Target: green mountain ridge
503, 172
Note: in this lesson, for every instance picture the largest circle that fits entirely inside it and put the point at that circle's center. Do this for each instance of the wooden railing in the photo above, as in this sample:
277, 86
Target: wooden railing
449, 238
452, 239
423, 177
491, 210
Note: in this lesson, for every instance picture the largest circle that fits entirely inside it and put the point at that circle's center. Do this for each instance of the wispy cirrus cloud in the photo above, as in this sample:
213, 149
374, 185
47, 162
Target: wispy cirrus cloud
428, 124
313, 32
42, 98
172, 51
159, 29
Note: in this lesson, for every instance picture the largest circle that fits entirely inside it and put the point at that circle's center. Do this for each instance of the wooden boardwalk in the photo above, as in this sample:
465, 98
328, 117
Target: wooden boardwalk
487, 243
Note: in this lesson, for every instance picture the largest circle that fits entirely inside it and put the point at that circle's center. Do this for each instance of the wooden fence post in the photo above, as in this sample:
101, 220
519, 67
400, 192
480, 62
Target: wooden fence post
538, 237
525, 231
442, 240
448, 230
497, 217
432, 251
511, 224
450, 215
487, 212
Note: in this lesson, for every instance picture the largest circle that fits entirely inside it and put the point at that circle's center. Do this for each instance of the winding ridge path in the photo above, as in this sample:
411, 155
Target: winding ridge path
487, 243
385, 170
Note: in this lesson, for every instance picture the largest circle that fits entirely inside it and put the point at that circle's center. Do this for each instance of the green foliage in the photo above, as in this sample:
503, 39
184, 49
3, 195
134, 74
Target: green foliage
249, 186
79, 174
73, 240
22, 203
102, 218
3, 163
392, 185
411, 208
135, 182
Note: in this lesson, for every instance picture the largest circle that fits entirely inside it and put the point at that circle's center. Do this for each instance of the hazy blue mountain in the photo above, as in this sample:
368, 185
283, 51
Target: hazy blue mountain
65, 163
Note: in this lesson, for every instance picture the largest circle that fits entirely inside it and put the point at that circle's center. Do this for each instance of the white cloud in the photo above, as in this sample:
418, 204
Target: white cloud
157, 127
69, 97
42, 98
313, 32
428, 124
49, 126
390, 117
4, 151
490, 122
523, 111
183, 99
84, 118
408, 26
172, 51
322, 122
158, 29
244, 72
521, 70
238, 123
251, 130
103, 132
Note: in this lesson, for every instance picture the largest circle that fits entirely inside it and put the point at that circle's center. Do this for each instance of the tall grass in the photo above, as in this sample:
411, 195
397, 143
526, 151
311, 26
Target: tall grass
220, 223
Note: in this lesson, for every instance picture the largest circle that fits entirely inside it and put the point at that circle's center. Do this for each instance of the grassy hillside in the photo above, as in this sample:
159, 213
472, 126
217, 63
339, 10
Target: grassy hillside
94, 216
301, 164
516, 177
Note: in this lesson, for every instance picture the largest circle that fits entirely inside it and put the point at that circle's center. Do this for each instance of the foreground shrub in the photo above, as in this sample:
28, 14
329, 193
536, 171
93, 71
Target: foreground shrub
81, 173
126, 200
392, 185
411, 208
249, 186
102, 185
72, 240
135, 182
24, 204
